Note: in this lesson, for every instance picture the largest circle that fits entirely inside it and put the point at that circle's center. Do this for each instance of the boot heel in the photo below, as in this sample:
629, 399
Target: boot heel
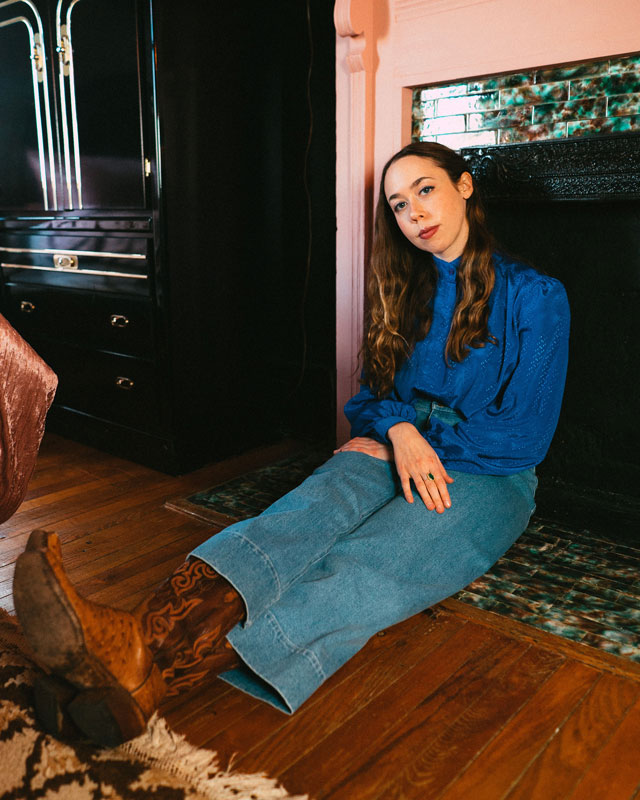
51, 699
108, 716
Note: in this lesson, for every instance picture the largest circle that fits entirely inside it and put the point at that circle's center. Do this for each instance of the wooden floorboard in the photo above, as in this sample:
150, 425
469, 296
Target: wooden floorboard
451, 704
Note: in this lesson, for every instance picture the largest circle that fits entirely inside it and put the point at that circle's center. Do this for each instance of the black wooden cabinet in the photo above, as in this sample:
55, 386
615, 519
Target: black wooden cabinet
127, 248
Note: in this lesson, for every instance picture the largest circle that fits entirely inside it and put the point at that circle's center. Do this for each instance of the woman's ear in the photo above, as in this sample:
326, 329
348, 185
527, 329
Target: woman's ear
465, 185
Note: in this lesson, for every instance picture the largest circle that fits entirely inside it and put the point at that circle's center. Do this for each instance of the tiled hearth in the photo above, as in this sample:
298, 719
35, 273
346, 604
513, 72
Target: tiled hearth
577, 584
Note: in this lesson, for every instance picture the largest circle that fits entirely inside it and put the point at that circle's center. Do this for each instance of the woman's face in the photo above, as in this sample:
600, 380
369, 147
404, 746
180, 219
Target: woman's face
429, 208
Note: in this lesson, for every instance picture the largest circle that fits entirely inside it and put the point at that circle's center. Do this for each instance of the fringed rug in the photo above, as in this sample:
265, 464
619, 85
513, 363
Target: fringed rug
159, 765
578, 583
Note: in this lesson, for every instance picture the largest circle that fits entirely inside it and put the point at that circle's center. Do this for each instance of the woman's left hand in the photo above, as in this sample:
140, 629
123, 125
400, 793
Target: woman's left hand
363, 444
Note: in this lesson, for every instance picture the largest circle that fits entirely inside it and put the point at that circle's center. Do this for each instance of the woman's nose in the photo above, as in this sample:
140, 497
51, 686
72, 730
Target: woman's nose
415, 210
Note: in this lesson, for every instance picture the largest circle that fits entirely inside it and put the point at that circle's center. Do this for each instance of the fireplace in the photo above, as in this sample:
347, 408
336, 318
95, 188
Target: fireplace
570, 207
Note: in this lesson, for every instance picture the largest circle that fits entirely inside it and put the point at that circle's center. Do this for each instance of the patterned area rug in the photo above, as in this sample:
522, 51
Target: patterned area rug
159, 765
249, 494
583, 585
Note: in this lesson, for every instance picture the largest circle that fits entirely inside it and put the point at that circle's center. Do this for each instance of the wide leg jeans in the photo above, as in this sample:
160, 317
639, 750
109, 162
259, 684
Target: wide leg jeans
344, 555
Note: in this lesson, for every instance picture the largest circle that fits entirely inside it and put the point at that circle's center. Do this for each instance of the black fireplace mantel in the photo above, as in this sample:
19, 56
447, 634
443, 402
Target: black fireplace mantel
590, 168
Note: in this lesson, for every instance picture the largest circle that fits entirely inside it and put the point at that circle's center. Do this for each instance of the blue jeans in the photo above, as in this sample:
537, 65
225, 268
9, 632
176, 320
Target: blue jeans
344, 555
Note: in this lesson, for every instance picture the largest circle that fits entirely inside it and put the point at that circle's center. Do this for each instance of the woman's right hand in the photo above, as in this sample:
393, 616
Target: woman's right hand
416, 460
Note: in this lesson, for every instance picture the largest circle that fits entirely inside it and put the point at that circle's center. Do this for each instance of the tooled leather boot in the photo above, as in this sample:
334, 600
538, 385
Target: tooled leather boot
107, 657
185, 622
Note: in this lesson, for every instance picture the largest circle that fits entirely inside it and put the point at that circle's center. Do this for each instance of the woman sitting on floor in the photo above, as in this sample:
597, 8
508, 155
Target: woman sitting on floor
464, 364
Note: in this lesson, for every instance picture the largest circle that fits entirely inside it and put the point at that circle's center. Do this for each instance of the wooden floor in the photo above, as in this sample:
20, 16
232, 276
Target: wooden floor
453, 703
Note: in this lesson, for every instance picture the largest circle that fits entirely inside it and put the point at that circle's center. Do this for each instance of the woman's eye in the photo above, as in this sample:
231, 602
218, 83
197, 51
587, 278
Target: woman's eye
399, 206
425, 189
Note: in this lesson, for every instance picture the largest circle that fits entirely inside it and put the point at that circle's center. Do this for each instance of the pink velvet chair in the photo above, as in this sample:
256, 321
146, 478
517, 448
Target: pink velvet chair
27, 387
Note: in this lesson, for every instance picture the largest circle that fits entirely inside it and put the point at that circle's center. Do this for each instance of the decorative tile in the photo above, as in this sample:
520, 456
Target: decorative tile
464, 105
570, 110
431, 127
487, 85
624, 64
533, 133
425, 110
538, 93
456, 90
599, 127
621, 83
575, 71
620, 104
504, 118
551, 103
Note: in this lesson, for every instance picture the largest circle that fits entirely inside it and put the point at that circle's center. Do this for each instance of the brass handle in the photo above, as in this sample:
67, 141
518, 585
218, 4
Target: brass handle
26, 307
119, 321
65, 261
124, 383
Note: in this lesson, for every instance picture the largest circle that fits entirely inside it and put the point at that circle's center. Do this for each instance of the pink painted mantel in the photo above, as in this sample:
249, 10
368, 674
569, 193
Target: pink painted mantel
386, 47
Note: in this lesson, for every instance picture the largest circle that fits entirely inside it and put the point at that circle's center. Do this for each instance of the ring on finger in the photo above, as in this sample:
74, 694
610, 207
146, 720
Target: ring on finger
429, 476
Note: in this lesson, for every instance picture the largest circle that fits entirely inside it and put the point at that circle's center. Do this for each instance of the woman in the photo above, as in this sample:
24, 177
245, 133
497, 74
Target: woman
464, 365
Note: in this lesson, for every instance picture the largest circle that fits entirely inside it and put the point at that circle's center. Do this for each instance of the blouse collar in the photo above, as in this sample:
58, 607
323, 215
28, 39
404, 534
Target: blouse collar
447, 270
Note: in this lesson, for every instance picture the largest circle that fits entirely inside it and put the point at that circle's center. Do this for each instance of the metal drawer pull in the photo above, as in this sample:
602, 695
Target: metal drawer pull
65, 261
119, 321
26, 307
124, 383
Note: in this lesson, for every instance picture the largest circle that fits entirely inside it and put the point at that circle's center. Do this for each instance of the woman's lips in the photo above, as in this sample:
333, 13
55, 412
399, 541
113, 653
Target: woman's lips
427, 233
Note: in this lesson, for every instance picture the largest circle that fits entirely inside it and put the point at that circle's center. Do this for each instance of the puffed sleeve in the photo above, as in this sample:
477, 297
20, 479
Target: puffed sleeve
514, 432
372, 417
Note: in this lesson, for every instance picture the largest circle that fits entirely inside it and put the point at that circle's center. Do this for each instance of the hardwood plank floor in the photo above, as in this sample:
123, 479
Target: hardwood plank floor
453, 703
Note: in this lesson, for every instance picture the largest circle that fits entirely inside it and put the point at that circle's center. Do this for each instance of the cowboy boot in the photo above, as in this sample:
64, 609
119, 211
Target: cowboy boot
185, 622
102, 652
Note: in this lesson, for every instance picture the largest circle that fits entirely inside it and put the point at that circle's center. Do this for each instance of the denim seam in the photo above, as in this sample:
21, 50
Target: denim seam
260, 552
309, 655
362, 518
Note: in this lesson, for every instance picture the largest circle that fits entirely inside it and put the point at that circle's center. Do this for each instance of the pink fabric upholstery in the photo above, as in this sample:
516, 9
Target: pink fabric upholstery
27, 387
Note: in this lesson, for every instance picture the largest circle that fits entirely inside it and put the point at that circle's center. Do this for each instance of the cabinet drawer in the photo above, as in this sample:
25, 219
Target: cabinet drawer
108, 322
116, 388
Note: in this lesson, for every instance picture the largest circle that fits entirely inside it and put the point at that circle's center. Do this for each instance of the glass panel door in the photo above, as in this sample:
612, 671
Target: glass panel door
27, 168
100, 94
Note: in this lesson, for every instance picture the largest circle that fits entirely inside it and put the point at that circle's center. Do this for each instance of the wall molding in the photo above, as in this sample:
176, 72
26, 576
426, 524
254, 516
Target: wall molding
406, 10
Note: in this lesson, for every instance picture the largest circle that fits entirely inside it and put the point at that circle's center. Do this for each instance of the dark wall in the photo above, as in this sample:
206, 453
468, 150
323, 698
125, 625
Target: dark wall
239, 118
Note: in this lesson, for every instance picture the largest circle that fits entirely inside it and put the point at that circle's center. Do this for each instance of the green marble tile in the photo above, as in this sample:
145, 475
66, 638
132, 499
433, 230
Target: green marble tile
432, 127
435, 92
610, 646
624, 64
469, 103
599, 127
488, 584
571, 109
485, 85
538, 93
506, 118
620, 83
575, 71
560, 628
475, 600
426, 110
623, 104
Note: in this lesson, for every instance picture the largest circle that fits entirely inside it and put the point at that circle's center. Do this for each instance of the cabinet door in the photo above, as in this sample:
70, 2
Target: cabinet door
27, 166
100, 98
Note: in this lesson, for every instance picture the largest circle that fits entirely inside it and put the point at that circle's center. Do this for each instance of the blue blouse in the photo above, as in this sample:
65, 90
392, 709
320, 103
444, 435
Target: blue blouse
508, 395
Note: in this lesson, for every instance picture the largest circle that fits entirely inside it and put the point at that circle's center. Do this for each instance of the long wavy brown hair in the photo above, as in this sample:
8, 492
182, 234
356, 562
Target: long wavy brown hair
402, 280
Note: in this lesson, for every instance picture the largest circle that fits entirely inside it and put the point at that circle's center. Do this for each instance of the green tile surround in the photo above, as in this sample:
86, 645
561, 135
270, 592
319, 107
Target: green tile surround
592, 98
